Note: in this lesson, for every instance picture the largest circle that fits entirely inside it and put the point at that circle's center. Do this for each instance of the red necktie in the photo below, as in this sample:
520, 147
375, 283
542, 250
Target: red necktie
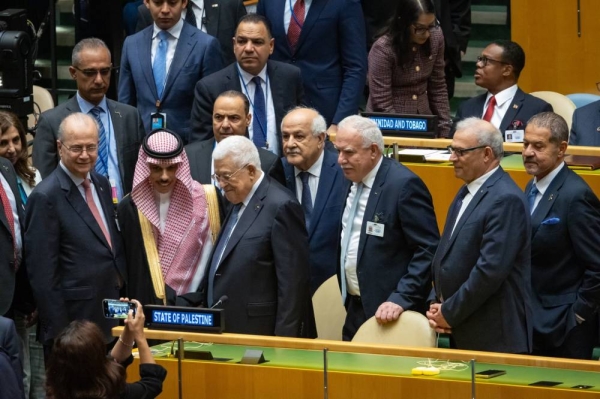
296, 22
490, 109
89, 198
10, 219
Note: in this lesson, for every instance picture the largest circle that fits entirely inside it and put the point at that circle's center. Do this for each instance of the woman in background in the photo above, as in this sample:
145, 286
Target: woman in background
406, 66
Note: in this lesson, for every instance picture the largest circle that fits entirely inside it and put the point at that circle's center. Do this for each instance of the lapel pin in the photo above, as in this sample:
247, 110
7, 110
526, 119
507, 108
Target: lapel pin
551, 197
215, 5
257, 207
598, 129
515, 106
5, 168
118, 113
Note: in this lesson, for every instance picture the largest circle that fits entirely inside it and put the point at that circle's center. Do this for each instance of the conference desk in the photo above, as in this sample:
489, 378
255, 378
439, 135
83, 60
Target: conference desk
295, 370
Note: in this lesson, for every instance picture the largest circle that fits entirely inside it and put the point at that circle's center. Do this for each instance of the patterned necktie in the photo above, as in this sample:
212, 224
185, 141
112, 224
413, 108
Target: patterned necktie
218, 252
89, 198
159, 68
259, 117
490, 109
296, 22
190, 16
531, 197
346, 240
102, 161
8, 212
307, 204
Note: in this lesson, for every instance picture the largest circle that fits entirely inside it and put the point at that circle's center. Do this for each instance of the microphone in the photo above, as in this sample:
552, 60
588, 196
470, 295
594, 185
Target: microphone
221, 301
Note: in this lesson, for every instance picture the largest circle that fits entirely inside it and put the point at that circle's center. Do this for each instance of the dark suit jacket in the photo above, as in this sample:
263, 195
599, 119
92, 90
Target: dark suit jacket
11, 347
72, 266
8, 276
585, 129
565, 257
396, 267
264, 269
222, 17
483, 273
200, 158
331, 53
128, 130
196, 55
324, 231
523, 107
286, 88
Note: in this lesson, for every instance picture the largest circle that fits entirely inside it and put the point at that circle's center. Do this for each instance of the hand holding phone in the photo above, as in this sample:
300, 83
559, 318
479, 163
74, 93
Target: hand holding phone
116, 309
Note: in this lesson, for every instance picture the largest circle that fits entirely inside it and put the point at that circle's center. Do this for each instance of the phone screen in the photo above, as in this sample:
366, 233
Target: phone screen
115, 309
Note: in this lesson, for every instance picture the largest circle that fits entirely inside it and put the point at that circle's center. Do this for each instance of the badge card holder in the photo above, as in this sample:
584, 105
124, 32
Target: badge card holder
159, 120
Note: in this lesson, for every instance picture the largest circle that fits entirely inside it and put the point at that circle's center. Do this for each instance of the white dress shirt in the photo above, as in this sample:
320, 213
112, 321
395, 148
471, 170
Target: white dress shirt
503, 103
175, 32
473, 187
543, 184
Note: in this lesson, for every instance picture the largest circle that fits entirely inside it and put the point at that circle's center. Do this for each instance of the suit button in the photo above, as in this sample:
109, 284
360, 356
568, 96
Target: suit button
414, 96
417, 68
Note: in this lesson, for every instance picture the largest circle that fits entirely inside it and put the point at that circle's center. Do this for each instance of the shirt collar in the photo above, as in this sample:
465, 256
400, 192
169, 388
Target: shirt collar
247, 77
315, 169
175, 30
369, 179
86, 106
76, 179
476, 184
254, 188
543, 184
505, 95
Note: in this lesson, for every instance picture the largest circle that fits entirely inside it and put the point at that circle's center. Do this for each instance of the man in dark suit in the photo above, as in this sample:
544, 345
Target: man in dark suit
481, 270
72, 245
218, 18
315, 178
231, 117
585, 129
389, 231
161, 64
11, 237
565, 244
260, 260
10, 347
91, 69
326, 39
281, 85
504, 105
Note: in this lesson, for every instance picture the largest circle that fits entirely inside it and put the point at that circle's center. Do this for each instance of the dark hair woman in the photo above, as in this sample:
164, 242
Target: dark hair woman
79, 368
406, 65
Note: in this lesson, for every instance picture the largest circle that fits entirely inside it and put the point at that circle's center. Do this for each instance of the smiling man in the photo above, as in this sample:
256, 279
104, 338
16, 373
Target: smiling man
504, 105
165, 224
565, 244
279, 86
389, 232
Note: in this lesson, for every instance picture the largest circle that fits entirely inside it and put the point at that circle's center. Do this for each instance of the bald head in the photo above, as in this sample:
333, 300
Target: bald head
303, 132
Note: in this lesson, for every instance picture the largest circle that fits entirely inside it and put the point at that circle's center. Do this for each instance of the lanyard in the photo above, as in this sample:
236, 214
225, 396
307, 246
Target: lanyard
260, 123
294, 15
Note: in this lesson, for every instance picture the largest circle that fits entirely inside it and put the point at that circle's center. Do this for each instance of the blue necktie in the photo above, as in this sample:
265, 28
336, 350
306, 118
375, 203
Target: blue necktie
159, 68
218, 252
102, 161
259, 118
307, 204
347, 235
531, 197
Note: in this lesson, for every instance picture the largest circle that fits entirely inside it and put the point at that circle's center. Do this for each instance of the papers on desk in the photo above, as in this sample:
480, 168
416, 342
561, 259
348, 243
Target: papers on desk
410, 155
439, 156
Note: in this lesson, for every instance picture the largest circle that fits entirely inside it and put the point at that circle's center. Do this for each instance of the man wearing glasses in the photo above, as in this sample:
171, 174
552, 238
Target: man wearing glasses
74, 253
504, 105
481, 269
120, 127
260, 260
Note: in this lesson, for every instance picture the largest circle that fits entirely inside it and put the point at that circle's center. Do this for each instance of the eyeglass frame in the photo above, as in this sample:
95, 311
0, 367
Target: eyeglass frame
460, 152
484, 60
226, 178
421, 31
90, 149
92, 73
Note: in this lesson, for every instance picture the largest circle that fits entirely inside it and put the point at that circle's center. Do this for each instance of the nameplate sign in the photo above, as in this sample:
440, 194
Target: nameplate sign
184, 319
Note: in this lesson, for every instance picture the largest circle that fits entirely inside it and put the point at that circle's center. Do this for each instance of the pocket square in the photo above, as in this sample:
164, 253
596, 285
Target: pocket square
551, 221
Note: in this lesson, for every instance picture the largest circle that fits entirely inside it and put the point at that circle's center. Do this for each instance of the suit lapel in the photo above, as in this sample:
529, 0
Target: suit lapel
12, 182
278, 93
234, 78
313, 14
290, 177
185, 47
374, 196
326, 186
278, 26
513, 110
212, 12
548, 199
144, 55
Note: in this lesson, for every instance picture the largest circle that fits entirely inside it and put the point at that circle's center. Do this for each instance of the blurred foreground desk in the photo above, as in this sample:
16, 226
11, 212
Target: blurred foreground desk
295, 371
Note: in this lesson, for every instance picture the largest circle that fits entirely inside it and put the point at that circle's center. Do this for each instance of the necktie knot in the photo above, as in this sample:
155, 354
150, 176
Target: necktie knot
86, 184
462, 193
257, 80
96, 111
534, 190
304, 177
489, 112
163, 35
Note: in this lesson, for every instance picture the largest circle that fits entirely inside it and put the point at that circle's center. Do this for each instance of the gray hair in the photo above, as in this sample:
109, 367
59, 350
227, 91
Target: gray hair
559, 130
318, 125
240, 149
79, 118
368, 130
487, 134
91, 43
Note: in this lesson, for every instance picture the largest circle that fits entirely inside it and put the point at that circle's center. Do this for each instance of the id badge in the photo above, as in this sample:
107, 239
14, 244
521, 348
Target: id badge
159, 120
375, 229
514, 136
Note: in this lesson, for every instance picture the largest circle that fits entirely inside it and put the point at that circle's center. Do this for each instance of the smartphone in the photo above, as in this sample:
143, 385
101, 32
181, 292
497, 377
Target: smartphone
545, 384
489, 373
115, 309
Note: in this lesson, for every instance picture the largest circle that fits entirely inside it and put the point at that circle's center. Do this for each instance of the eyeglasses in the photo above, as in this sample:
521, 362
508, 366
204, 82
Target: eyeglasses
225, 178
78, 149
460, 152
420, 30
92, 73
484, 60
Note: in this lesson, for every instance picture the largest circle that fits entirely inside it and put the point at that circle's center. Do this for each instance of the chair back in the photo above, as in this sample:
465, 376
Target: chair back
330, 314
411, 329
581, 99
42, 101
561, 104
